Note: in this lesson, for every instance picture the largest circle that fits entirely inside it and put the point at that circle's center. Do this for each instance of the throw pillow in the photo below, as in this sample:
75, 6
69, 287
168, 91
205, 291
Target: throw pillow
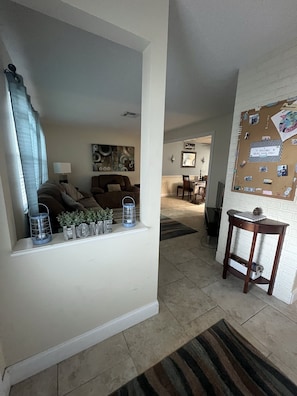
113, 187
71, 202
72, 191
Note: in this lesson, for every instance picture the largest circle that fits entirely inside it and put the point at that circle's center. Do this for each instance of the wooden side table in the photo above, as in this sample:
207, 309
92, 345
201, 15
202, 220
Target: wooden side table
266, 226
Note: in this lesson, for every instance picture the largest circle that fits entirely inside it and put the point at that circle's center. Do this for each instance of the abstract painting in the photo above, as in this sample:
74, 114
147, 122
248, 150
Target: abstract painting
107, 158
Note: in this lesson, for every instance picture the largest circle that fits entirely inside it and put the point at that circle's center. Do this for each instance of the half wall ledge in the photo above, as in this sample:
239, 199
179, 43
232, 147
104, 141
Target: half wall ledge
25, 245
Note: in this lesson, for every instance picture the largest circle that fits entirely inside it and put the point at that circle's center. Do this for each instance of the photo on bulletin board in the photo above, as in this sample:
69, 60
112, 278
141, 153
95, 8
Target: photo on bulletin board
266, 157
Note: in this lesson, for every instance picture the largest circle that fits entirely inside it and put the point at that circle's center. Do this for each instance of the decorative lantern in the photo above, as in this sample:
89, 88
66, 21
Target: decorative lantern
40, 227
129, 212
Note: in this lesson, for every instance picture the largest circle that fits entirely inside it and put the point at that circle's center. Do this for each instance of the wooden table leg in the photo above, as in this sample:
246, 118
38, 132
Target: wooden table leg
227, 251
276, 262
250, 262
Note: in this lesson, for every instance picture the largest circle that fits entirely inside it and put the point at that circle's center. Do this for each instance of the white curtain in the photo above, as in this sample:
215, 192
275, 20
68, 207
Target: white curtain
30, 139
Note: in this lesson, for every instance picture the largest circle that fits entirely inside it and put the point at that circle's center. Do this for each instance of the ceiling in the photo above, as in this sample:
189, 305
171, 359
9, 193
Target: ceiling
76, 77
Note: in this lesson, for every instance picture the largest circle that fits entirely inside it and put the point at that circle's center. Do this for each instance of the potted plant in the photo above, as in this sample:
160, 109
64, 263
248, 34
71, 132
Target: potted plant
66, 221
84, 223
90, 219
99, 221
81, 226
108, 218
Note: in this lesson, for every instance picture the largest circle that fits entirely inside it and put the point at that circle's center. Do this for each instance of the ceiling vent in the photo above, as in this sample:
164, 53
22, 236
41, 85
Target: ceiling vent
129, 114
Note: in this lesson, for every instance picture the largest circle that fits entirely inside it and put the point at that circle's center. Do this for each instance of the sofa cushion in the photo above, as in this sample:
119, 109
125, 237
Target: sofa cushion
110, 199
128, 186
113, 187
71, 202
97, 190
101, 189
54, 207
53, 190
72, 191
89, 202
111, 179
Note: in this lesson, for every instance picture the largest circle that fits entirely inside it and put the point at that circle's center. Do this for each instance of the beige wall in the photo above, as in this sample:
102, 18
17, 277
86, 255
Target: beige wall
74, 146
270, 79
50, 295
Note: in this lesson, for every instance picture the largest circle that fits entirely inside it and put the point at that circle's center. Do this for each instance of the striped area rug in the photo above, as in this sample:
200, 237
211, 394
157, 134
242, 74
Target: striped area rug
218, 362
171, 229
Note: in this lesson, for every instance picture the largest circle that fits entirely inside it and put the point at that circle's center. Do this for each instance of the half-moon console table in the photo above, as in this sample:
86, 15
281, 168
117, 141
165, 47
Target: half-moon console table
266, 226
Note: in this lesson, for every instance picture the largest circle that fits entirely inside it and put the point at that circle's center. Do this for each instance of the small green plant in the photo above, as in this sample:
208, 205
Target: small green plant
109, 214
98, 214
65, 219
103, 215
78, 217
90, 215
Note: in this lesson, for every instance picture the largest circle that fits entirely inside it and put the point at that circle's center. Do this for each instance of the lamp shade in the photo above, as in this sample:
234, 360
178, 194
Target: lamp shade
62, 167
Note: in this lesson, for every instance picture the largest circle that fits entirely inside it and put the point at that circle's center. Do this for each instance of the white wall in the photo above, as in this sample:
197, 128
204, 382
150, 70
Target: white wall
74, 289
271, 79
3, 225
220, 129
50, 295
74, 146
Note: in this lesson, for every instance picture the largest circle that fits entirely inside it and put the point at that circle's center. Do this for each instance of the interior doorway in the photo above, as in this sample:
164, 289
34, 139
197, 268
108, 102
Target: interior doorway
173, 167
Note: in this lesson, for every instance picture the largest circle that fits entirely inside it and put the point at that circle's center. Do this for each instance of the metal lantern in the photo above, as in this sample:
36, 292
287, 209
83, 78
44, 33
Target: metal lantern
40, 227
129, 212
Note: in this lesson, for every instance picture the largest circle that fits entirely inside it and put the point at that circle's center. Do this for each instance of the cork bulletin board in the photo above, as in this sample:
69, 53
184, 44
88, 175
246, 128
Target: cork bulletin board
266, 158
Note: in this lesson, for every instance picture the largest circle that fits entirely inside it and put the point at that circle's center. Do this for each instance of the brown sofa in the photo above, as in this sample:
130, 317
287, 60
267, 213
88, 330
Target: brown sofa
109, 190
63, 197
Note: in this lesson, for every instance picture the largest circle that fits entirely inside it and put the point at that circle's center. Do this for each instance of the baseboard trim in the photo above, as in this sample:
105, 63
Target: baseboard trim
5, 384
37, 363
293, 296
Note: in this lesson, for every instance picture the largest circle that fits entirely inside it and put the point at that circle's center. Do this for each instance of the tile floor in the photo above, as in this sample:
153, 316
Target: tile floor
192, 297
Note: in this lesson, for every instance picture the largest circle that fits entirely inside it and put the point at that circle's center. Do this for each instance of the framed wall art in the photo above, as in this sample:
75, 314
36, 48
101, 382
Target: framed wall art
107, 158
189, 146
188, 159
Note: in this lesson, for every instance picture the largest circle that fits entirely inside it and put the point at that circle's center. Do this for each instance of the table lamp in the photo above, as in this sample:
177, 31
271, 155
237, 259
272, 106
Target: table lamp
62, 168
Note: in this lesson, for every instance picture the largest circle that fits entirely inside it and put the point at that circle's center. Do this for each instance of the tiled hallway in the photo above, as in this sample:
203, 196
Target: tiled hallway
192, 297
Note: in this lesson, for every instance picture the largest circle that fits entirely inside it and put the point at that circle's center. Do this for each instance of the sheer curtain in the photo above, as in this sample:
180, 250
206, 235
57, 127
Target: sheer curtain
30, 138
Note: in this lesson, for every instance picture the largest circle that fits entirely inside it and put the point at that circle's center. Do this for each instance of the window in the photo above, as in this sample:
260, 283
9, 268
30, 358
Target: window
30, 141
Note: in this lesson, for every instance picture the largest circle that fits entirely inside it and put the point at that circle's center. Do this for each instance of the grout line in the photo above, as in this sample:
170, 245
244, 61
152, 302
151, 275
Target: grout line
256, 313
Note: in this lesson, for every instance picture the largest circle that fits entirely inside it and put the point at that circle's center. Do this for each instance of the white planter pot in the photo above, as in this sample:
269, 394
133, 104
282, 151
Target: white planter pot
93, 228
83, 230
69, 232
99, 227
107, 226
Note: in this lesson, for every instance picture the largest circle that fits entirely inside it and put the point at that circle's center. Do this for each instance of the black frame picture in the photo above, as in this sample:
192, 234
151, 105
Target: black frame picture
188, 159
107, 158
